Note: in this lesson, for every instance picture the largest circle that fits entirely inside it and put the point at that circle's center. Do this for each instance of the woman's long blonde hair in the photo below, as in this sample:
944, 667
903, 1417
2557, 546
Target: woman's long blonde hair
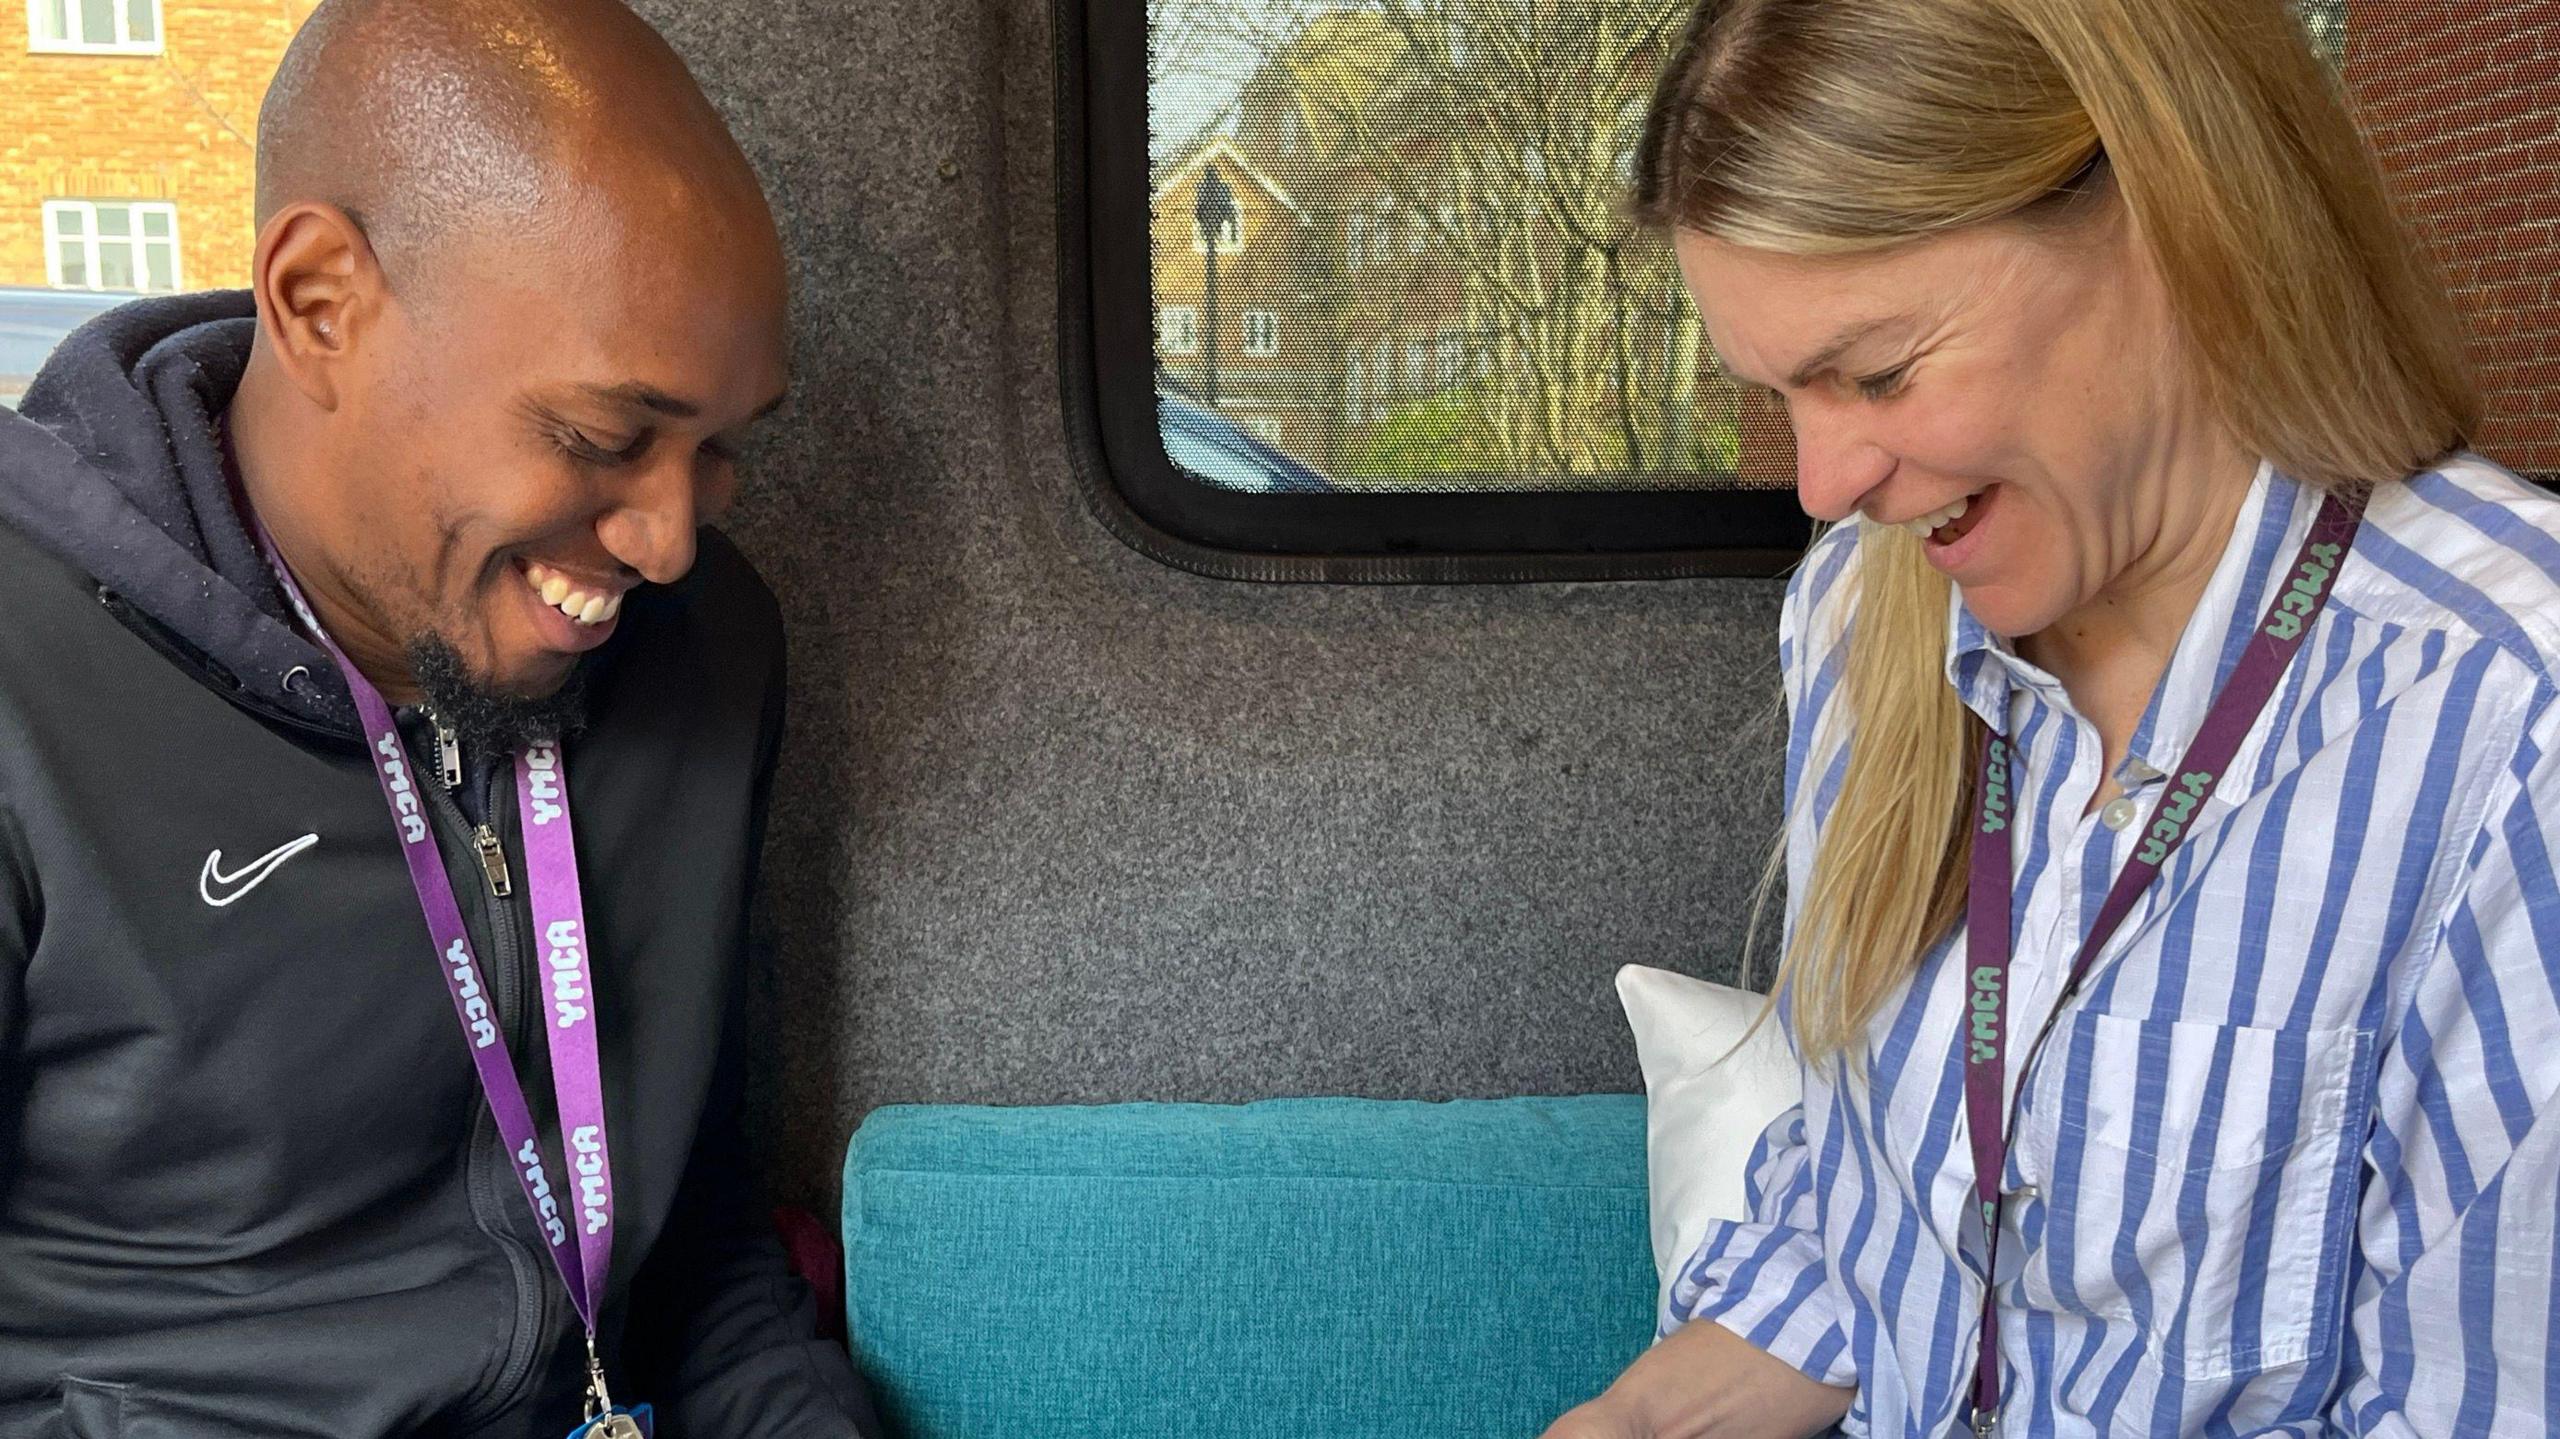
2312, 319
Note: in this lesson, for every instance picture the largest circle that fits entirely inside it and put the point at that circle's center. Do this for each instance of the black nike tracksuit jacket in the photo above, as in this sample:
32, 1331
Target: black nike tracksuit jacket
248, 1183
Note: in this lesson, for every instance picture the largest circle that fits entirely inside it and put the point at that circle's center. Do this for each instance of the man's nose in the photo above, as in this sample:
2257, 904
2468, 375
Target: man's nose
652, 529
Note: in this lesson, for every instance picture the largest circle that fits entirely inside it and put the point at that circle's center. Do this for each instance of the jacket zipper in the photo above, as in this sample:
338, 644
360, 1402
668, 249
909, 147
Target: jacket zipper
493, 1200
448, 752
484, 840
506, 971
493, 861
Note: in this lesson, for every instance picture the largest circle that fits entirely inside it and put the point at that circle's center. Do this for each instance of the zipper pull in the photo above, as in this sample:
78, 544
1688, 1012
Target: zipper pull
493, 861
448, 752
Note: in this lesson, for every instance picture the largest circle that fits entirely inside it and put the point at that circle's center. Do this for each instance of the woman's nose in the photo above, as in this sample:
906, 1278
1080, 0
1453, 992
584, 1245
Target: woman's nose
1837, 464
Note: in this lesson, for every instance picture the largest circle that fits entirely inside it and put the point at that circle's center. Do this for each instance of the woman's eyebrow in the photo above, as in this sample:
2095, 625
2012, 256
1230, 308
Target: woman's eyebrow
1840, 344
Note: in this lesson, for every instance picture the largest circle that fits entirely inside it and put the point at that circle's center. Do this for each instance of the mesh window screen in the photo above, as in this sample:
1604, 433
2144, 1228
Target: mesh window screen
1427, 195
1421, 283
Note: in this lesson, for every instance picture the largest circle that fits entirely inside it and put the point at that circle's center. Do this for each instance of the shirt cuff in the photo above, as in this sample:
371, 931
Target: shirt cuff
1770, 1285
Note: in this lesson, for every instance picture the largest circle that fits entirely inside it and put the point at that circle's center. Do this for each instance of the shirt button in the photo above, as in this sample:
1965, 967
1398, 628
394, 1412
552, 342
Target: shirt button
2117, 814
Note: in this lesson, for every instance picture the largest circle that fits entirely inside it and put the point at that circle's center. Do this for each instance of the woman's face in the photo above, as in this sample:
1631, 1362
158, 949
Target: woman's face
2020, 388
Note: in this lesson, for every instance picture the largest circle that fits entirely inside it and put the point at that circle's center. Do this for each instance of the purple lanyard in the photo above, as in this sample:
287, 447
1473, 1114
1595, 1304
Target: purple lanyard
1987, 906
560, 940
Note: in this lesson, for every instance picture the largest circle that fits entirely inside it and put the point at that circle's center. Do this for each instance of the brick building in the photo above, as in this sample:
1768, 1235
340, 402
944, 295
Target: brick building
128, 134
2462, 97
1263, 333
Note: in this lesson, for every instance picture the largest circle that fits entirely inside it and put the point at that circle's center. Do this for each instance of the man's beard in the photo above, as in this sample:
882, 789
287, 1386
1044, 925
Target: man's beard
487, 719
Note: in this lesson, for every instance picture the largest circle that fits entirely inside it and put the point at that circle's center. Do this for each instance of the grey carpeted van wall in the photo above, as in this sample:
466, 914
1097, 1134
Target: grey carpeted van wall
1058, 824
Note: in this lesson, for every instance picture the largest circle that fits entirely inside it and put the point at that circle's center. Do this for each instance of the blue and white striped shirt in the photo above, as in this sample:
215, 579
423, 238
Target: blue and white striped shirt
2291, 1163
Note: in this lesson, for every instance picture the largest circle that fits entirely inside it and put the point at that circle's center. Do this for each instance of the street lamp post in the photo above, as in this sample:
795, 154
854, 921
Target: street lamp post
1213, 206
1679, 399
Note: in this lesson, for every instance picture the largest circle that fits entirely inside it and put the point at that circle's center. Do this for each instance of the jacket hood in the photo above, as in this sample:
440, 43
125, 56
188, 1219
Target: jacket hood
114, 463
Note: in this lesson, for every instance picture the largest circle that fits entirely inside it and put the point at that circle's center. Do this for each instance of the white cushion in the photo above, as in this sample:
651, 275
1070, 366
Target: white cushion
1703, 1110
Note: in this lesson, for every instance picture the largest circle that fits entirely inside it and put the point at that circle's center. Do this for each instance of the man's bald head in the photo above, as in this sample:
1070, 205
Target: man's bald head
501, 120
520, 302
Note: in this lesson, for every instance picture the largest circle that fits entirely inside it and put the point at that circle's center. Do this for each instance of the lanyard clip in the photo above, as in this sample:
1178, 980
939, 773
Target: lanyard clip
1986, 1422
599, 1398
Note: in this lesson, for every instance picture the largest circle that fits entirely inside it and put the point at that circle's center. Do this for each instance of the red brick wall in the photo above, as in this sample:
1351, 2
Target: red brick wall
2463, 99
179, 126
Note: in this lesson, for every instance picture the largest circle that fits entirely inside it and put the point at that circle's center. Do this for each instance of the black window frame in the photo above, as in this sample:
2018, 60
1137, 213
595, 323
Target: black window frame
1106, 324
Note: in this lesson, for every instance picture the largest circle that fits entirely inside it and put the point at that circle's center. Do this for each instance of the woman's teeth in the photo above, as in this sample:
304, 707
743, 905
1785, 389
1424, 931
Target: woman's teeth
561, 593
1930, 523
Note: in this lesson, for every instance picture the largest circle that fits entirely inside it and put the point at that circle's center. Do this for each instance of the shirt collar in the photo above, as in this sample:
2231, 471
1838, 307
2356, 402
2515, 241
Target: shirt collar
1987, 671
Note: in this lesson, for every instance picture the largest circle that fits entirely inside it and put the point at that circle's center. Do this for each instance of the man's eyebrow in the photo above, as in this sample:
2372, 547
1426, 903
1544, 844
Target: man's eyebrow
650, 397
1824, 358
647, 397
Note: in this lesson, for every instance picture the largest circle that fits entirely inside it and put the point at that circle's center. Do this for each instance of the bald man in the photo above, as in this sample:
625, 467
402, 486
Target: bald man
384, 750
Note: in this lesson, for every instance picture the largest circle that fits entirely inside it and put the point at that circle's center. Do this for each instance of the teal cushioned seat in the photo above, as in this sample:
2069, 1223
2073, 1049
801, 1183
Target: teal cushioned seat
1317, 1269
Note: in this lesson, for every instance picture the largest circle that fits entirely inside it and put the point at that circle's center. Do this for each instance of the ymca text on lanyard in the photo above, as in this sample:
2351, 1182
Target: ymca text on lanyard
1987, 905
560, 932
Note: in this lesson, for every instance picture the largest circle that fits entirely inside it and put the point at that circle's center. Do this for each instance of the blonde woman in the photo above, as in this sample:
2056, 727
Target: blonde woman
2173, 944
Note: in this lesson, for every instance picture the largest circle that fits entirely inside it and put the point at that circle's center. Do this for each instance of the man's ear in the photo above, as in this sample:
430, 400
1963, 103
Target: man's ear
320, 294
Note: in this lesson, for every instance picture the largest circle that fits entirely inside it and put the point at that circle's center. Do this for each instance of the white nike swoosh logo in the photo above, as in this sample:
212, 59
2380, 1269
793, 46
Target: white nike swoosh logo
250, 876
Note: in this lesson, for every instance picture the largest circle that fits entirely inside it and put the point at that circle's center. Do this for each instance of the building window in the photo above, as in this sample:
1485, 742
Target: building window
112, 245
1261, 332
1178, 329
1230, 237
128, 27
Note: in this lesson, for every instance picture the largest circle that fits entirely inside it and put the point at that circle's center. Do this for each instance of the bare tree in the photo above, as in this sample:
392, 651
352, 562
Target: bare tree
1467, 160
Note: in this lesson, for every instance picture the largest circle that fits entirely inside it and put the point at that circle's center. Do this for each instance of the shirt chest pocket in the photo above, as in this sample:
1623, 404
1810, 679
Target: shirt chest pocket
2195, 1181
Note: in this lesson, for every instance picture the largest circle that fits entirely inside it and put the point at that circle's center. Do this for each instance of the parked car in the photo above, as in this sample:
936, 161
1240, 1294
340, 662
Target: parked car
32, 322
1226, 454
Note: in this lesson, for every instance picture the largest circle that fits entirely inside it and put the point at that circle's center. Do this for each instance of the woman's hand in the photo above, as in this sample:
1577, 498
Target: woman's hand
1598, 1419
1706, 1382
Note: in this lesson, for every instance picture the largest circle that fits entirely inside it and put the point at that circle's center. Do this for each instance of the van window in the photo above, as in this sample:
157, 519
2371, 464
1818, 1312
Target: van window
1425, 296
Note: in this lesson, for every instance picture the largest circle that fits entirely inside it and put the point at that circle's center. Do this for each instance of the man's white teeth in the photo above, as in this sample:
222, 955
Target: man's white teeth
561, 593
1930, 523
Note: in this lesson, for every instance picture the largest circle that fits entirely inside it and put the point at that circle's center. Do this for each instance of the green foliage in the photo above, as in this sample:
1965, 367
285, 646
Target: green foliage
1718, 450
1447, 434
1453, 433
